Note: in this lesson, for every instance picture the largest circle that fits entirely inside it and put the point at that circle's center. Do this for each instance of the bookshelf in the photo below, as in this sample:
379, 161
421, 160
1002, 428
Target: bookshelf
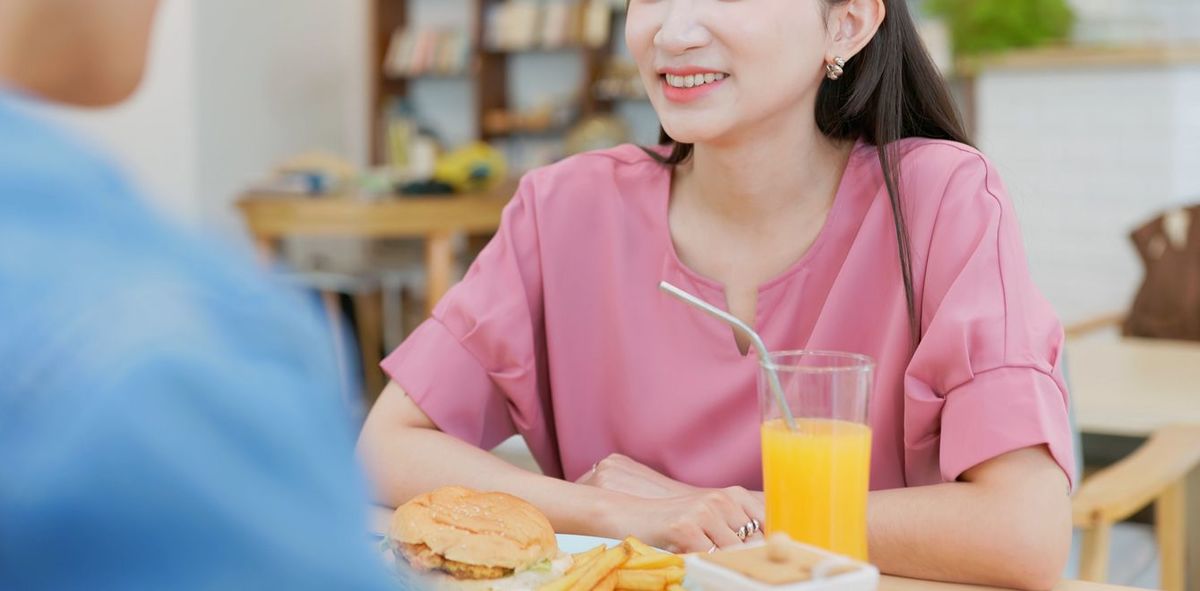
489, 59
387, 16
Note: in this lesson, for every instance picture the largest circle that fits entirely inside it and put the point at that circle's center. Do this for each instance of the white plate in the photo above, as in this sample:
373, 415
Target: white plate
706, 576
568, 543
572, 544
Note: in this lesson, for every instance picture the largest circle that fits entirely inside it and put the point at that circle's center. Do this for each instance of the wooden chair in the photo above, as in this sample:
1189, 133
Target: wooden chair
365, 292
1156, 473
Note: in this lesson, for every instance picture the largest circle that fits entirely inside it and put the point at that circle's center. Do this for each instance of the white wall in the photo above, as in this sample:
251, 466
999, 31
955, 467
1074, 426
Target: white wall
1186, 94
1088, 155
234, 88
276, 78
1137, 21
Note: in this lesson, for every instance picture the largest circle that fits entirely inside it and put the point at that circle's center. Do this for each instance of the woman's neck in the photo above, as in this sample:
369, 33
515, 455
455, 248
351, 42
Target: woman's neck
767, 175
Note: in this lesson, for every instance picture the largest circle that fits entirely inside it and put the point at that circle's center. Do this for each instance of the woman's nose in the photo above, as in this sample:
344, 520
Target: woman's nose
681, 29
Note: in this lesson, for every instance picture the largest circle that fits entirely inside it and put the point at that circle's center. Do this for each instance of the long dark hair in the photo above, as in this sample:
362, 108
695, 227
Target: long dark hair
890, 91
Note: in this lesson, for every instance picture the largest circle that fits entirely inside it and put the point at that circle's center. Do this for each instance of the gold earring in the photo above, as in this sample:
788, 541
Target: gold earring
836, 69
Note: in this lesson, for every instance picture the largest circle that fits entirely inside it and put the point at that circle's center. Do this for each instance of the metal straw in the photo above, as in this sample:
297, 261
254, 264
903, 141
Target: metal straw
763, 356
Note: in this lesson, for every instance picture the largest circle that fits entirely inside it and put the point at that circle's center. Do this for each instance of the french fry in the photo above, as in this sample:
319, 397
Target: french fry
652, 561
649, 579
576, 572
601, 567
674, 575
641, 580
640, 548
631, 566
609, 583
585, 557
563, 583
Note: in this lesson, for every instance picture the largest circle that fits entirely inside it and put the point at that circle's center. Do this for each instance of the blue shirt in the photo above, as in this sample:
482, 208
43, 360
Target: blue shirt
169, 419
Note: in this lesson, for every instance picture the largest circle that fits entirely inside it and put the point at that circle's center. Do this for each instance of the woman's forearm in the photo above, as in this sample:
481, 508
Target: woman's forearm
1014, 535
407, 462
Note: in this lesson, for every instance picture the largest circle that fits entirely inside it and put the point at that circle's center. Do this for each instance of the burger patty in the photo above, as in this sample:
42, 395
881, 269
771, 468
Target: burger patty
422, 558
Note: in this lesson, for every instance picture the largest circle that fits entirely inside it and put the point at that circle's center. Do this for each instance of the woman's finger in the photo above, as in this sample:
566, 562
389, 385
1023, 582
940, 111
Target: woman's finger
751, 503
729, 514
721, 535
692, 538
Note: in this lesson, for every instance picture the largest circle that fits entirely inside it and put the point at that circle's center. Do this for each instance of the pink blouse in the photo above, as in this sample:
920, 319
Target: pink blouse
559, 332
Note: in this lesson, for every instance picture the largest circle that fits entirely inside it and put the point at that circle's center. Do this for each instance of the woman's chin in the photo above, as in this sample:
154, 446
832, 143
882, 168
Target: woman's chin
695, 134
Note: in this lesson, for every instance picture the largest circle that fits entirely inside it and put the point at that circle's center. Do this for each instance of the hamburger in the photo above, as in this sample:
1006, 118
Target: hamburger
465, 535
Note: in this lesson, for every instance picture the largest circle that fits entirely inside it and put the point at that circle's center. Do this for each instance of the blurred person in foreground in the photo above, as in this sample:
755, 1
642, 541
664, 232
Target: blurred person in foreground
166, 421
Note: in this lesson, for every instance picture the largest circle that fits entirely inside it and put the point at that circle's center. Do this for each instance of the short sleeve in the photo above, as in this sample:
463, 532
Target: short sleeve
986, 378
475, 366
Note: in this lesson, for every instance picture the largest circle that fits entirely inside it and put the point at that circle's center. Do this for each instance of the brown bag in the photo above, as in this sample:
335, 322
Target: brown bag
1168, 304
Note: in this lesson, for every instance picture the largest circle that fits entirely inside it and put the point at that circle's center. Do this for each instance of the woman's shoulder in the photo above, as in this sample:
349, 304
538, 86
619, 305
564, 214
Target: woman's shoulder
938, 157
942, 184
624, 155
951, 170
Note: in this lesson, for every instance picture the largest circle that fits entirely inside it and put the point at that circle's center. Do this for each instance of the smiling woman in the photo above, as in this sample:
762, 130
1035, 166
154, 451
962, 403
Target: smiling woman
813, 181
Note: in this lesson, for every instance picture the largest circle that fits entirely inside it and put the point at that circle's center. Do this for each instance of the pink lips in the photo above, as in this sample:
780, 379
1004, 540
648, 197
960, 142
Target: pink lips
687, 95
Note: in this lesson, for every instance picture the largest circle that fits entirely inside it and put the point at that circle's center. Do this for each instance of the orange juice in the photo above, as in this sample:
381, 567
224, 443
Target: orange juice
816, 482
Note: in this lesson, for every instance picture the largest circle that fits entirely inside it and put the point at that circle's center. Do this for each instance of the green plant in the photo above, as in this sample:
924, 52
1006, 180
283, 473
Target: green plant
984, 26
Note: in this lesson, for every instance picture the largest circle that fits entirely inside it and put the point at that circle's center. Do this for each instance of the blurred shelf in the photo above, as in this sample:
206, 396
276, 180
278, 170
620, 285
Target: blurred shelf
561, 49
548, 133
488, 67
623, 98
1083, 56
462, 76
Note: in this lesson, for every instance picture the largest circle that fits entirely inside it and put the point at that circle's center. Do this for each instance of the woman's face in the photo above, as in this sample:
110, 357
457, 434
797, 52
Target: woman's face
713, 68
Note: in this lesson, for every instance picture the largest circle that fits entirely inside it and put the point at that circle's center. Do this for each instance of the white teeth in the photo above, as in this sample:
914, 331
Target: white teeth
693, 80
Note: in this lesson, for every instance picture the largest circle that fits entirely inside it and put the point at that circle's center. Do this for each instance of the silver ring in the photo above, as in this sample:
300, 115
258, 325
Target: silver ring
713, 549
752, 527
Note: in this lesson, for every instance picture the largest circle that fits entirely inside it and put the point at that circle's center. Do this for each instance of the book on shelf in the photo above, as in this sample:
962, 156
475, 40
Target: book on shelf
512, 25
597, 23
554, 24
522, 25
426, 52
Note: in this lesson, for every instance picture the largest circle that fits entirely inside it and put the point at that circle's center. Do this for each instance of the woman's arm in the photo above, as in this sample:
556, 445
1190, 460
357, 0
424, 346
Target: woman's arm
1007, 523
405, 455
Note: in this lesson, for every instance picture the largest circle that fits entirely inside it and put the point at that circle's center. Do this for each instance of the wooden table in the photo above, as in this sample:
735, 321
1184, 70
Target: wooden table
899, 584
1133, 387
381, 516
434, 219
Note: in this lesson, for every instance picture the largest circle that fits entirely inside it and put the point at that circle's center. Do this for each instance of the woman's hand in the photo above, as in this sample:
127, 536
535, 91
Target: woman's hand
674, 515
696, 522
621, 474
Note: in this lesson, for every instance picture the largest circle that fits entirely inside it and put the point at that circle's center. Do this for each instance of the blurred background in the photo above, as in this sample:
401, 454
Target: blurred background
368, 146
